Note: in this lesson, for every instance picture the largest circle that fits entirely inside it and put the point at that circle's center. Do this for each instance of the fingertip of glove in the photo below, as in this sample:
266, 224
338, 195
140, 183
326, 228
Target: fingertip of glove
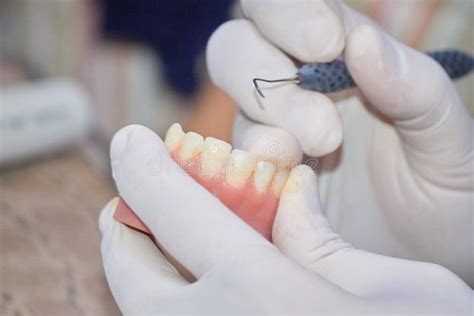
368, 46
327, 144
320, 143
223, 38
298, 176
314, 33
269, 143
119, 144
130, 137
361, 40
106, 215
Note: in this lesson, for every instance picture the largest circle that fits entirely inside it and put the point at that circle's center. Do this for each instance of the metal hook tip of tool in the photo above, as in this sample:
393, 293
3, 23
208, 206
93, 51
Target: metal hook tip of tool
255, 84
295, 79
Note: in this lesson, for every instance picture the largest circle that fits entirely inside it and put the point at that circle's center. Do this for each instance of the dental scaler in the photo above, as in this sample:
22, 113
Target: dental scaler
334, 76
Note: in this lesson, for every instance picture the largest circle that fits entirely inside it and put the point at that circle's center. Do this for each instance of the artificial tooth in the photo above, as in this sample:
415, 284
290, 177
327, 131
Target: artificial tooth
239, 167
296, 177
279, 181
214, 154
264, 172
191, 145
174, 136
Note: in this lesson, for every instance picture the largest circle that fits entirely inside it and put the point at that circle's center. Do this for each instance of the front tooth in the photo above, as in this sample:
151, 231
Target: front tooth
279, 181
174, 136
239, 167
214, 154
264, 172
191, 145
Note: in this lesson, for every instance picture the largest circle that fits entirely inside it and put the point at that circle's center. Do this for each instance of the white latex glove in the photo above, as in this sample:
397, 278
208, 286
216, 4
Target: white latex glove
402, 182
238, 271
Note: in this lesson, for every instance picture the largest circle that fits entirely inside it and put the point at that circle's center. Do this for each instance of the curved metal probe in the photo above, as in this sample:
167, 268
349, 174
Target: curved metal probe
295, 79
334, 76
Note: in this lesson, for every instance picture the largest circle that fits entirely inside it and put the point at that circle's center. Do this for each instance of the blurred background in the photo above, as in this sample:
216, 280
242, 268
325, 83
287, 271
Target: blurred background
72, 72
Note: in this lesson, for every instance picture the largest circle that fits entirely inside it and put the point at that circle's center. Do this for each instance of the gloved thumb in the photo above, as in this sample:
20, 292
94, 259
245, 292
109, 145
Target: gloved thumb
301, 231
417, 96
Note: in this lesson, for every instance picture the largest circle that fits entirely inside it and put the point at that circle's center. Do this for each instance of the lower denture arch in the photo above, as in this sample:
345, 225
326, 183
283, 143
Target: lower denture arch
249, 187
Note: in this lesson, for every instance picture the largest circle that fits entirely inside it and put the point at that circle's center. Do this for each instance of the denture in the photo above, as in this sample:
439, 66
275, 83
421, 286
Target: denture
248, 186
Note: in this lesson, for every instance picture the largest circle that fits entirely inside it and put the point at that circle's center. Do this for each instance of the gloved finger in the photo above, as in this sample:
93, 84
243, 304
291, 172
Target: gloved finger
310, 116
414, 91
187, 220
303, 233
266, 142
300, 229
311, 31
137, 272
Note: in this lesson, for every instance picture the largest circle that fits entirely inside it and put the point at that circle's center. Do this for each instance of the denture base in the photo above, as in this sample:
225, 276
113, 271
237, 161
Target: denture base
256, 208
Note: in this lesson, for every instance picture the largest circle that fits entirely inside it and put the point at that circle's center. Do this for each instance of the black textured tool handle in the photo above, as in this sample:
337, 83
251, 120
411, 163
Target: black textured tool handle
334, 76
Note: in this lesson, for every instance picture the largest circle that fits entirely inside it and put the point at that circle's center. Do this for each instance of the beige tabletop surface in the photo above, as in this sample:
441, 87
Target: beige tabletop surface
49, 239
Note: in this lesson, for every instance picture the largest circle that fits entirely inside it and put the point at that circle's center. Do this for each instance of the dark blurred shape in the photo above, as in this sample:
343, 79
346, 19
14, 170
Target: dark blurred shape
177, 30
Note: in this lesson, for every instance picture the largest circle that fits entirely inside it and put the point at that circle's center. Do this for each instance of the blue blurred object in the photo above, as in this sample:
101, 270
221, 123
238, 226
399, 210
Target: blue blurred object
177, 30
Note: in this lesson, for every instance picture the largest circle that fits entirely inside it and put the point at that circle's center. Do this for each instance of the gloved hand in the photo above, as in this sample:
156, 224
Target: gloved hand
402, 182
238, 271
